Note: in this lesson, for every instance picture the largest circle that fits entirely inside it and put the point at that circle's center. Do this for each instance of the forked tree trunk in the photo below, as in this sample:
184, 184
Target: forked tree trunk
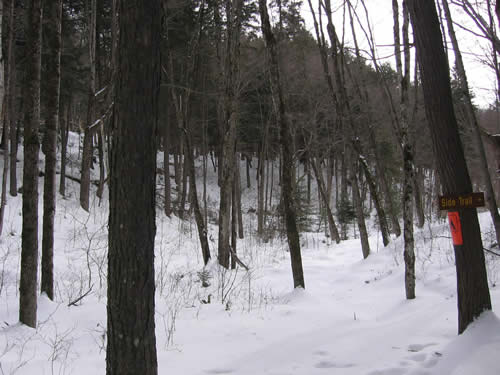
53, 77
472, 283
29, 251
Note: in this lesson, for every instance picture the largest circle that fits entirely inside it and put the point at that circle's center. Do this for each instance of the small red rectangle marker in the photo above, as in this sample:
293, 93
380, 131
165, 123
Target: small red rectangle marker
455, 228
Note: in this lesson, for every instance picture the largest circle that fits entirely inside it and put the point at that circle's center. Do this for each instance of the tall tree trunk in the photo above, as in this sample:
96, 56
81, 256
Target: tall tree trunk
230, 120
472, 282
473, 123
7, 101
87, 136
53, 76
131, 341
29, 251
287, 182
13, 113
406, 145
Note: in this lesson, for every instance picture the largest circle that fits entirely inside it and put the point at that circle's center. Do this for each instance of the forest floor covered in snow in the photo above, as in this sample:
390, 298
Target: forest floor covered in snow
352, 318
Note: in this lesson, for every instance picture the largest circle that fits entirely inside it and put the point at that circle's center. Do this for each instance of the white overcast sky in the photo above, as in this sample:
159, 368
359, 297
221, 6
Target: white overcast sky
481, 78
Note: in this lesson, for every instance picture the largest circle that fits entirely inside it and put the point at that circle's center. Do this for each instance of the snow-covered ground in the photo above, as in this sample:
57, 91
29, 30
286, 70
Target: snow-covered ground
352, 318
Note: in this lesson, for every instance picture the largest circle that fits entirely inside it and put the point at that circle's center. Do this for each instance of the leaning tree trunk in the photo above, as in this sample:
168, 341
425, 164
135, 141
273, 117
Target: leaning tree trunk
472, 283
29, 251
131, 341
286, 149
472, 120
53, 77
334, 233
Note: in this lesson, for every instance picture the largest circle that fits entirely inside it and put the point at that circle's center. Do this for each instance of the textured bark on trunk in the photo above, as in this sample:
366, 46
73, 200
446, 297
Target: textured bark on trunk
29, 251
286, 140
472, 283
131, 347
53, 76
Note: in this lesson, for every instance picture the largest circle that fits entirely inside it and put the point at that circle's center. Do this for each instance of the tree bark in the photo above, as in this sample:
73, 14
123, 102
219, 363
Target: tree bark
472, 283
131, 342
53, 76
29, 251
286, 149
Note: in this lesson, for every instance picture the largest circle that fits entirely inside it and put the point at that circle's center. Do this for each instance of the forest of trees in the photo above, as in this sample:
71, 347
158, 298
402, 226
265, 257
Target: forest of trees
212, 84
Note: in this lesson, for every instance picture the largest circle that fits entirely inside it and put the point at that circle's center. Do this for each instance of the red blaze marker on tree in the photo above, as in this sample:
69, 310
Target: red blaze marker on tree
455, 228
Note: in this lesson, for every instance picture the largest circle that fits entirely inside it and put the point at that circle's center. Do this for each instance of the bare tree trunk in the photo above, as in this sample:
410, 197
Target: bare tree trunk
473, 123
7, 101
29, 251
472, 282
286, 145
13, 113
131, 340
87, 136
230, 120
53, 76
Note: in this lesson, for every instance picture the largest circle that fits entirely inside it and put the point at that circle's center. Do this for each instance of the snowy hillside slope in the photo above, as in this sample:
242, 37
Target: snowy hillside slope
352, 318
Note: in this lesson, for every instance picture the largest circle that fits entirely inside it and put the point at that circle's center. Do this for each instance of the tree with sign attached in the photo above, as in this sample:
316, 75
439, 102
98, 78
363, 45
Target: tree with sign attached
472, 284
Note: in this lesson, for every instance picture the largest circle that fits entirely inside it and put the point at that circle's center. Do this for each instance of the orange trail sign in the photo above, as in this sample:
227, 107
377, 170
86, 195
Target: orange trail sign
455, 228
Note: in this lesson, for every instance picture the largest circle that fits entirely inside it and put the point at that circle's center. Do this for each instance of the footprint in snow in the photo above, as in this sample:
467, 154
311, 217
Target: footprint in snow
219, 371
388, 371
419, 347
328, 364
